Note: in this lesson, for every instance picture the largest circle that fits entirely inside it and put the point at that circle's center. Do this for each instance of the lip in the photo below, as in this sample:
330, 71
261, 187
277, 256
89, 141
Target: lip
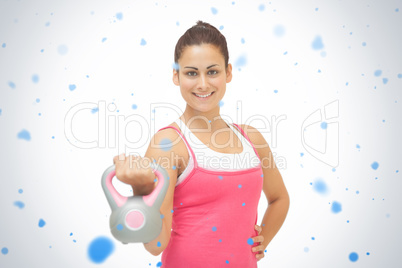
204, 94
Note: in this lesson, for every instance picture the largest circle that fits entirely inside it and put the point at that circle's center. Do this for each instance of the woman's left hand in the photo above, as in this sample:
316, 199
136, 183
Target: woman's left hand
258, 239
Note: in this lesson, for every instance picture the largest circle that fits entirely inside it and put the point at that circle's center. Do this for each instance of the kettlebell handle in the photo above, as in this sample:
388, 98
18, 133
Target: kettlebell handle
154, 199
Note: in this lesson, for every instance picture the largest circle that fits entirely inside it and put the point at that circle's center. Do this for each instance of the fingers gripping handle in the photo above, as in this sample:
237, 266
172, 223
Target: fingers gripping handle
154, 199
113, 197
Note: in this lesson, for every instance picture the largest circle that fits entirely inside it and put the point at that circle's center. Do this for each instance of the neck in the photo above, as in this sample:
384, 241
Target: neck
203, 120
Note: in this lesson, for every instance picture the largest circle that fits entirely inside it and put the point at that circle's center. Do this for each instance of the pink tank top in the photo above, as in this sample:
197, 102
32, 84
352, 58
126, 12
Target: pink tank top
214, 213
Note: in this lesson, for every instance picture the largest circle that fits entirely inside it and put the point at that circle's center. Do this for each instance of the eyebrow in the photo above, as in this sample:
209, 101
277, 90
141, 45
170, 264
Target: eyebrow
197, 68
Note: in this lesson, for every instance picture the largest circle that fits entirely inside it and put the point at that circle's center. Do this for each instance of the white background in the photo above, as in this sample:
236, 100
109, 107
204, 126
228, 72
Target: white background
61, 180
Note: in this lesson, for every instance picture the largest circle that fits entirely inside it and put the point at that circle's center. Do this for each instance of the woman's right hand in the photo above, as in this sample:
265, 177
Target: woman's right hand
136, 171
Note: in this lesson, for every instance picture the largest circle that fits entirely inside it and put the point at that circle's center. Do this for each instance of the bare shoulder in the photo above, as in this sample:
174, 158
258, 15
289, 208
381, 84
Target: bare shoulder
168, 144
255, 136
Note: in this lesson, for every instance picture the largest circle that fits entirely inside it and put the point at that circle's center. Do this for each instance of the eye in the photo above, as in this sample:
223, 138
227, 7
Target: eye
191, 73
212, 72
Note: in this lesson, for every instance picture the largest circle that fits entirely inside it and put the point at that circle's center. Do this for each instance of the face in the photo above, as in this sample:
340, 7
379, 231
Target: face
202, 71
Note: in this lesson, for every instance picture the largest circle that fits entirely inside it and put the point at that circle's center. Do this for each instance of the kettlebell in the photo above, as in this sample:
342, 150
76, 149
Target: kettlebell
136, 219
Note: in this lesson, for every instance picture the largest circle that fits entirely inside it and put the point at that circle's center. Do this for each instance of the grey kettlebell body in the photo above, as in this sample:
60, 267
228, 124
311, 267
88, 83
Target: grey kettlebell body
136, 219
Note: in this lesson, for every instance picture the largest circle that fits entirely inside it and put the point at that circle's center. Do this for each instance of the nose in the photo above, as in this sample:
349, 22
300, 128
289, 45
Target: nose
203, 83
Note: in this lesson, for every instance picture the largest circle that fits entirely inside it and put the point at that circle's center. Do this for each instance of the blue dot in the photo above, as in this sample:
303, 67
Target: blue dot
155, 180
306, 249
385, 81
320, 186
220, 240
377, 73
364, 44
20, 191
174, 167
104, 39
158, 244
166, 144
323, 54
316, 9
396, 9
220, 177
100, 249
313, 238
4, 251
241, 61
71, 234
250, 241
239, 186
261, 7
368, 253
374, 165
119, 227
35, 78
3, 45
162, 216
214, 10
175, 66
243, 41
275, 91
143, 42
47, 24
357, 192
177, 23
37, 100
243, 204
41, 223
262, 175
214, 229
19, 204
347, 84
285, 53
72, 87
24, 135
119, 16
221, 103
324, 125
11, 84
62, 49
279, 30
134, 106
399, 76
159, 264
317, 43
221, 27
336, 207
353, 257
95, 110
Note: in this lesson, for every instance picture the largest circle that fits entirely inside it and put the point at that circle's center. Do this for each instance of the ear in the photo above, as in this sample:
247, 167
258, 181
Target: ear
176, 77
229, 73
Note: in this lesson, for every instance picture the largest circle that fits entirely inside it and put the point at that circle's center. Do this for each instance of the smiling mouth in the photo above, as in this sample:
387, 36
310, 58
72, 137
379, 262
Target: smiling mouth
206, 96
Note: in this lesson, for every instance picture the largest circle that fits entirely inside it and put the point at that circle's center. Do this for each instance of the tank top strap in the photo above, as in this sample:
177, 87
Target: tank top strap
245, 135
185, 141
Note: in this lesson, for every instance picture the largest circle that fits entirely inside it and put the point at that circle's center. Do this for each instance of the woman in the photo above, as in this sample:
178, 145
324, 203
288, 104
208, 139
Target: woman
209, 213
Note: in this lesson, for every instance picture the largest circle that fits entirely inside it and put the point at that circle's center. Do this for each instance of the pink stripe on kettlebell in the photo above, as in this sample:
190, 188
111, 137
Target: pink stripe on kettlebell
119, 199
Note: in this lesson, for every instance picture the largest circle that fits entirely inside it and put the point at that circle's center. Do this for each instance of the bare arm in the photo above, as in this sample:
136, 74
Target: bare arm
273, 188
142, 180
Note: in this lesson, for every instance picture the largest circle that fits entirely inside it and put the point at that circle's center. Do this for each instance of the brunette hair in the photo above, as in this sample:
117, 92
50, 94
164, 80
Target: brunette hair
202, 33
